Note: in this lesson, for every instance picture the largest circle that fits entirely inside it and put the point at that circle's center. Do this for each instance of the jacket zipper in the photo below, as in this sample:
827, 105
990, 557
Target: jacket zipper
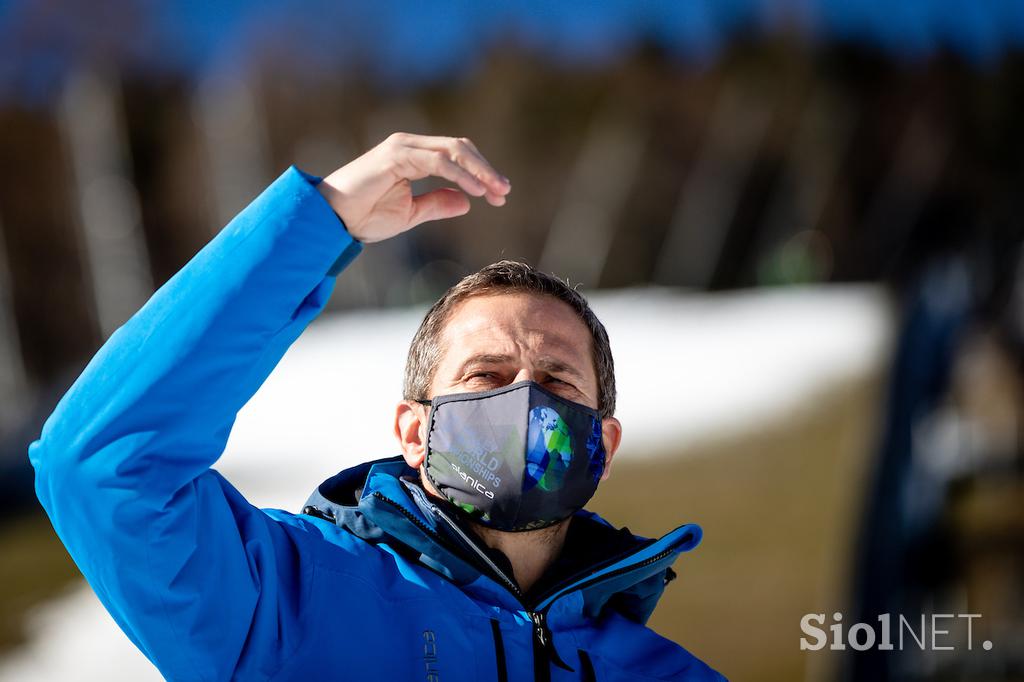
509, 583
504, 580
606, 576
416, 522
544, 651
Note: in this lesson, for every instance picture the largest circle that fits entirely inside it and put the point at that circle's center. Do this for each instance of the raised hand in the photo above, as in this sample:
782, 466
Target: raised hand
372, 194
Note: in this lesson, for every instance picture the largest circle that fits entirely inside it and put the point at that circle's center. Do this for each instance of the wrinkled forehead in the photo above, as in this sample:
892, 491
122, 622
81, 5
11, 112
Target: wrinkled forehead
516, 322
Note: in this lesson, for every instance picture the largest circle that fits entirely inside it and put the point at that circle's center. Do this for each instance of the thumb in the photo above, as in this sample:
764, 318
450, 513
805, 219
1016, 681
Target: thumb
438, 205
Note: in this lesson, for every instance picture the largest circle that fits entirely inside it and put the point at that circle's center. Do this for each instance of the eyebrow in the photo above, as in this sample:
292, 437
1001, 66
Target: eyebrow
547, 364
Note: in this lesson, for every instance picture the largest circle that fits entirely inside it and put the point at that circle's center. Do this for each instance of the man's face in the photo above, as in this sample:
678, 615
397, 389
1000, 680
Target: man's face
495, 340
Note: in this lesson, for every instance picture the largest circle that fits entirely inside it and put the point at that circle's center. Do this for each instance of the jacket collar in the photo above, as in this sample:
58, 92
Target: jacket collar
380, 502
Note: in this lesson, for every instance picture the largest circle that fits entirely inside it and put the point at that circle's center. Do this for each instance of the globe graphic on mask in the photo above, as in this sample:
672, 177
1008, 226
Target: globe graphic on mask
548, 450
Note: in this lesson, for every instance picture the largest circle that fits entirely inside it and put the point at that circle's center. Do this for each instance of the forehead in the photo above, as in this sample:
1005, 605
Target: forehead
513, 323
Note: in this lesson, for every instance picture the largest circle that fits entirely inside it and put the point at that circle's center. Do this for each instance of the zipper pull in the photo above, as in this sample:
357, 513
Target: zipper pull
325, 514
542, 638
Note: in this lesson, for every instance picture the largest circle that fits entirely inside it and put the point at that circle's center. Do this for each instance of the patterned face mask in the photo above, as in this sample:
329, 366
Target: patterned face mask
514, 458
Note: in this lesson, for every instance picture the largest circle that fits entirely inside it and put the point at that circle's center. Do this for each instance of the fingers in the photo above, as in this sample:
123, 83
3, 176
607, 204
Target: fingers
438, 205
464, 154
421, 163
495, 198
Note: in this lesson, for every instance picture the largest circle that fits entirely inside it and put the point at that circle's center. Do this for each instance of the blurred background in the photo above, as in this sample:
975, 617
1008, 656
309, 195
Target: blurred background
800, 221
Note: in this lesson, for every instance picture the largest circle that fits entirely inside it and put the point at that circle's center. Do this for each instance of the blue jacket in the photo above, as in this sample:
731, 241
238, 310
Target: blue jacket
373, 580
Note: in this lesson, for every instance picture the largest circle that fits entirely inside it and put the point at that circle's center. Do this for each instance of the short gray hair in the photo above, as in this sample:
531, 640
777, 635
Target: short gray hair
506, 276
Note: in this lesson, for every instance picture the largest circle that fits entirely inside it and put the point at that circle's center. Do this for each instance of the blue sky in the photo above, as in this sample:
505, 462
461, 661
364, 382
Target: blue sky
409, 41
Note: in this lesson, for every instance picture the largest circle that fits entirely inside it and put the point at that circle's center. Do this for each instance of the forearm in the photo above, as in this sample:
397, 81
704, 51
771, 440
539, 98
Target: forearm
154, 408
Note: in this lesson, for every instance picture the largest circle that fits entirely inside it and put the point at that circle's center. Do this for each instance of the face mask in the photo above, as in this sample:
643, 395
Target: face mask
514, 458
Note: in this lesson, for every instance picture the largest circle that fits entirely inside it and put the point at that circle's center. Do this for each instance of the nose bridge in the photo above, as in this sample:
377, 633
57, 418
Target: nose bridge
524, 373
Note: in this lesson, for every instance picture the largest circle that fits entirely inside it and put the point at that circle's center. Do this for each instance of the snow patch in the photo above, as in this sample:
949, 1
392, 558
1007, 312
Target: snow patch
689, 367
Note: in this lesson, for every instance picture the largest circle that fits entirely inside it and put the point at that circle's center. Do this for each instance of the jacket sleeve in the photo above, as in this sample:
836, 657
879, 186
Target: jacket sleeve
189, 570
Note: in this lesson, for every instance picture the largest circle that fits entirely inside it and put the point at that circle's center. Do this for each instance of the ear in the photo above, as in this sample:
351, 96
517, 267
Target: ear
611, 434
410, 430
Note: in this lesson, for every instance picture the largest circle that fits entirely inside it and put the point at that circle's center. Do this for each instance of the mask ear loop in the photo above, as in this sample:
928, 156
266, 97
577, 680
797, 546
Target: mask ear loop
426, 457
430, 426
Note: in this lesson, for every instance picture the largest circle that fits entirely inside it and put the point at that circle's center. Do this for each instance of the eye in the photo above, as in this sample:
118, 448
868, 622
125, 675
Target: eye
562, 386
479, 376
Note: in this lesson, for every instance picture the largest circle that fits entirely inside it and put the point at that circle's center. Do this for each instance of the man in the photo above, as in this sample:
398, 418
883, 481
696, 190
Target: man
467, 558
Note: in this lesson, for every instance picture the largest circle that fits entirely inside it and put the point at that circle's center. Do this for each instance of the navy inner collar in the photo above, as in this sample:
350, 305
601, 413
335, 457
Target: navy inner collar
588, 543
